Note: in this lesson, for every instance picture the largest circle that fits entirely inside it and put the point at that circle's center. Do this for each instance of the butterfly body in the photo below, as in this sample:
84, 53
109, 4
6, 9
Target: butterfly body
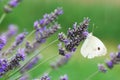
93, 47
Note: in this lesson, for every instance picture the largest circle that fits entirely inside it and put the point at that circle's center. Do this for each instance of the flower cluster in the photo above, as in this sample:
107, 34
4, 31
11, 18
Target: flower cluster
71, 41
41, 30
11, 4
48, 18
44, 29
73, 38
114, 59
12, 30
19, 39
14, 62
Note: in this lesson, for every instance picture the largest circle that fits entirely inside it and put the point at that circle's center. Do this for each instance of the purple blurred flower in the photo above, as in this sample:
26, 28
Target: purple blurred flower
45, 77
3, 66
20, 38
21, 54
109, 63
65, 77
36, 24
102, 68
3, 41
48, 18
12, 30
13, 3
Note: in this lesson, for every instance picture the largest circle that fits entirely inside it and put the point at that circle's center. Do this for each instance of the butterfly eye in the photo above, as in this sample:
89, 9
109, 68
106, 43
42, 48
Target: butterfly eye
98, 48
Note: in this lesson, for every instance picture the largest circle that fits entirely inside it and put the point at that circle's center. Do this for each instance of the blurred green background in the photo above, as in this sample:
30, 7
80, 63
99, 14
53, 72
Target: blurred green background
104, 14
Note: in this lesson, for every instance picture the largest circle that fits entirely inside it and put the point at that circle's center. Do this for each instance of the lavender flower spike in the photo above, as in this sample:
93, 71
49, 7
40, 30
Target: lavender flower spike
48, 18
11, 4
74, 36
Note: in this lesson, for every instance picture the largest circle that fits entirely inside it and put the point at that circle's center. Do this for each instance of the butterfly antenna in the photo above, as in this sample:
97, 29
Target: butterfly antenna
93, 28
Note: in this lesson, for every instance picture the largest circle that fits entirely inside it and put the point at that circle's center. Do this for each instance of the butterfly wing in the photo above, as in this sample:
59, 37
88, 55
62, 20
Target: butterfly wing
93, 47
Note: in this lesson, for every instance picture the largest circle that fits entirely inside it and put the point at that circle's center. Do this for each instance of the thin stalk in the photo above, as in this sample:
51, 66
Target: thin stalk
38, 66
2, 17
32, 58
20, 44
92, 75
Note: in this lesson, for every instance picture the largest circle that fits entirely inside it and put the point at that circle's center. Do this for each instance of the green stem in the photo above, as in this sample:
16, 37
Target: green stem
28, 36
92, 75
2, 18
38, 65
32, 58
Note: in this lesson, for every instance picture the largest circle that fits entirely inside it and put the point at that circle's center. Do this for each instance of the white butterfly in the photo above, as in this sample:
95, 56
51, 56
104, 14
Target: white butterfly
93, 47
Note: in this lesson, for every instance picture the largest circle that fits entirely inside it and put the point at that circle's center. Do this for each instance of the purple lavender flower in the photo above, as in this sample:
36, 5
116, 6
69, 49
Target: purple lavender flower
11, 4
102, 68
3, 41
48, 18
12, 30
109, 64
20, 38
74, 36
44, 33
58, 11
45, 77
21, 54
3, 66
36, 24
64, 77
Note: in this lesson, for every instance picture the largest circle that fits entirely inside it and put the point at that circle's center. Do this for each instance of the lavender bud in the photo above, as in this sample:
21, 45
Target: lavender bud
20, 54
3, 41
20, 38
61, 37
109, 64
58, 11
13, 3
102, 68
45, 77
65, 77
118, 55
12, 30
3, 66
62, 51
